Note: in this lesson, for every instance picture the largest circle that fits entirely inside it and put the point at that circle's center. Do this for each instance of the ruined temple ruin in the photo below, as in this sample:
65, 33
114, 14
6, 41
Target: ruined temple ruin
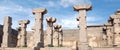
94, 37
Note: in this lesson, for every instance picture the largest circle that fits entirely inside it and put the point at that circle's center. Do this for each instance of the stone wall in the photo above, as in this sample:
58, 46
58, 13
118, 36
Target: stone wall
71, 35
1, 33
14, 36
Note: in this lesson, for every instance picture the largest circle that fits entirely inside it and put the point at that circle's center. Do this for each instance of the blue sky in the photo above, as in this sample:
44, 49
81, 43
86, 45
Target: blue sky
60, 9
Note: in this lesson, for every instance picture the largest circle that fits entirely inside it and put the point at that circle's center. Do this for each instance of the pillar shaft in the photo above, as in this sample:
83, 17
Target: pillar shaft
109, 37
22, 39
60, 38
49, 37
7, 32
82, 26
56, 34
38, 30
83, 41
56, 38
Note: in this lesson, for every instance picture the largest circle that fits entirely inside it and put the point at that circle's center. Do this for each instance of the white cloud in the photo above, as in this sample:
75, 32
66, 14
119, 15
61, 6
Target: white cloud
51, 3
44, 4
111, 0
69, 23
67, 3
11, 10
93, 18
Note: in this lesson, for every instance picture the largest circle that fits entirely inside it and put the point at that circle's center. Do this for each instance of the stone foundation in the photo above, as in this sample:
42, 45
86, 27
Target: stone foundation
106, 48
16, 49
56, 48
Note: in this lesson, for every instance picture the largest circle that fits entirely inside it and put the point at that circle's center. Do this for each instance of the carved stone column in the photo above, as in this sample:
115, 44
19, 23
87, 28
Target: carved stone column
22, 39
38, 36
49, 37
60, 37
56, 35
116, 27
109, 35
82, 25
7, 31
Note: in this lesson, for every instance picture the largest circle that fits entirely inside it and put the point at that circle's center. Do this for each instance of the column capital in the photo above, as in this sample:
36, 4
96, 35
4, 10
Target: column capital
56, 26
118, 12
116, 15
51, 19
82, 7
39, 10
24, 22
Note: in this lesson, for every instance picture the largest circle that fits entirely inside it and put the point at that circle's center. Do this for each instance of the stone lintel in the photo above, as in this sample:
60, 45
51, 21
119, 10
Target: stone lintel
39, 10
82, 7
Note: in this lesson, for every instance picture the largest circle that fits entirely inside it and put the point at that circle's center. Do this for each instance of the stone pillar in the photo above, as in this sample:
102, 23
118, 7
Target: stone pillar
60, 37
56, 35
38, 37
7, 32
109, 35
82, 25
116, 27
22, 39
19, 37
49, 37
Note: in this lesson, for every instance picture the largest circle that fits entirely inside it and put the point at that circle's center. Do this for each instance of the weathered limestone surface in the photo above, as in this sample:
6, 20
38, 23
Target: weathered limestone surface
56, 48
49, 34
60, 37
56, 35
106, 48
82, 25
116, 26
109, 35
16, 49
22, 40
38, 36
7, 31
